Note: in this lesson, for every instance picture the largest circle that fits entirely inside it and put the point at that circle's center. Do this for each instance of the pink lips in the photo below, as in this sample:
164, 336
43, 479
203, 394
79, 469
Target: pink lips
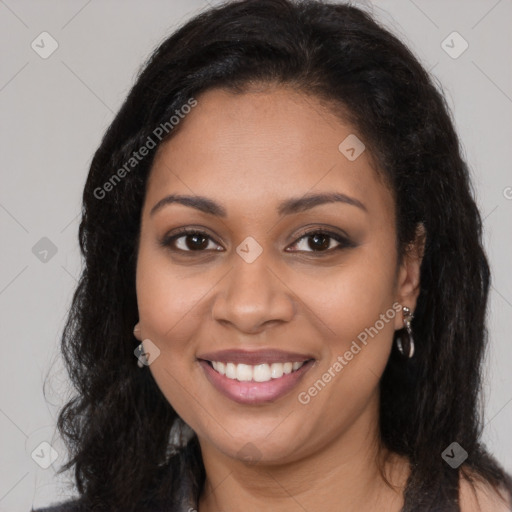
251, 392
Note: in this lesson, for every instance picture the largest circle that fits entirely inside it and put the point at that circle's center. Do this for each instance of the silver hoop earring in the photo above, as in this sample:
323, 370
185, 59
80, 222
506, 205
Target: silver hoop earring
142, 359
404, 340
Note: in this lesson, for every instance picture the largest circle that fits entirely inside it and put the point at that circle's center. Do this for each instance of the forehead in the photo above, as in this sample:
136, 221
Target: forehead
250, 149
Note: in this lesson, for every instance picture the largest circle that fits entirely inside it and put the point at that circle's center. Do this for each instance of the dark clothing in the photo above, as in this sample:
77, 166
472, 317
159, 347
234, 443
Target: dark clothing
186, 502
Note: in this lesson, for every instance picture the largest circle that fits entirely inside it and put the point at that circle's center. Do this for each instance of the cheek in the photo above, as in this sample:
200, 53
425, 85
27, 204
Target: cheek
166, 301
168, 317
355, 305
350, 297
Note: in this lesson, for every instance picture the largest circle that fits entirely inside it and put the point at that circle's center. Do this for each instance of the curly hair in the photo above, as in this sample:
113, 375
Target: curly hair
117, 425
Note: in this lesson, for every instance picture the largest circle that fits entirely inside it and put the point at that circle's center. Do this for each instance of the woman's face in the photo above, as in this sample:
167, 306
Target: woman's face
260, 287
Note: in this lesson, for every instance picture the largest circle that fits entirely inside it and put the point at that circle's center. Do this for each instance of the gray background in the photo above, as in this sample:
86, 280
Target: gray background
54, 113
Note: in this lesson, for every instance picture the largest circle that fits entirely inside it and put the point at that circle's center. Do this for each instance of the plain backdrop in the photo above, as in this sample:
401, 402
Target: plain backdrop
54, 112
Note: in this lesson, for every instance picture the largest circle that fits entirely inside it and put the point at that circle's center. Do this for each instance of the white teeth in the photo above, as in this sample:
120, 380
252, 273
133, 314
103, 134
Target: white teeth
261, 373
258, 373
217, 366
230, 371
243, 372
276, 369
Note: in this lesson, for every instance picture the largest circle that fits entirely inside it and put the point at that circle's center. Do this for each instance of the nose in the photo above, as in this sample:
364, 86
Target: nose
253, 296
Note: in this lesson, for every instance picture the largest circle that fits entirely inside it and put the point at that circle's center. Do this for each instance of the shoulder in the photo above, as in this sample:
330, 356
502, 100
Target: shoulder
481, 496
73, 505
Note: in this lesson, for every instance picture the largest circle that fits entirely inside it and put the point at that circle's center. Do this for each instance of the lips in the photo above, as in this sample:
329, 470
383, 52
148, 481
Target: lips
257, 387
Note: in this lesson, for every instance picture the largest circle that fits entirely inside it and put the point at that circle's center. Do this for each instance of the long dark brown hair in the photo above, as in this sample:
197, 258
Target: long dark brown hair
117, 426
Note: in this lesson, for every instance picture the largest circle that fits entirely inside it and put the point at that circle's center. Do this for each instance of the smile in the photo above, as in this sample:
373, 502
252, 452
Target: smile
255, 373
254, 384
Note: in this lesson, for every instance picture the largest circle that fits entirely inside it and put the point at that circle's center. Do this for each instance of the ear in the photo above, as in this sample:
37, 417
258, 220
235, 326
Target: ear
408, 280
136, 331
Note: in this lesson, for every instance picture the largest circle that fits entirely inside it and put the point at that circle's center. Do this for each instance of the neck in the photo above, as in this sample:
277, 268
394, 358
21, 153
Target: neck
340, 475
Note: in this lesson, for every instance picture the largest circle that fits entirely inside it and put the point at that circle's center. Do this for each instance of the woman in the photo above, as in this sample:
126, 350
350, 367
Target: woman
284, 298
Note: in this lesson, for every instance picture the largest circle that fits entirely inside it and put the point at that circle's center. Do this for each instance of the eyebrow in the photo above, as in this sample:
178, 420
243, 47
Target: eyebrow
287, 207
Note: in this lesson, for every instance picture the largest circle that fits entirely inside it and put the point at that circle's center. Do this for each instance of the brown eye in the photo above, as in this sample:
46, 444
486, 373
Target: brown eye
195, 242
319, 241
188, 240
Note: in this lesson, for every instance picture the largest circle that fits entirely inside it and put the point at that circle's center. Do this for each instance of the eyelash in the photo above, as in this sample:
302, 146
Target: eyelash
168, 241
